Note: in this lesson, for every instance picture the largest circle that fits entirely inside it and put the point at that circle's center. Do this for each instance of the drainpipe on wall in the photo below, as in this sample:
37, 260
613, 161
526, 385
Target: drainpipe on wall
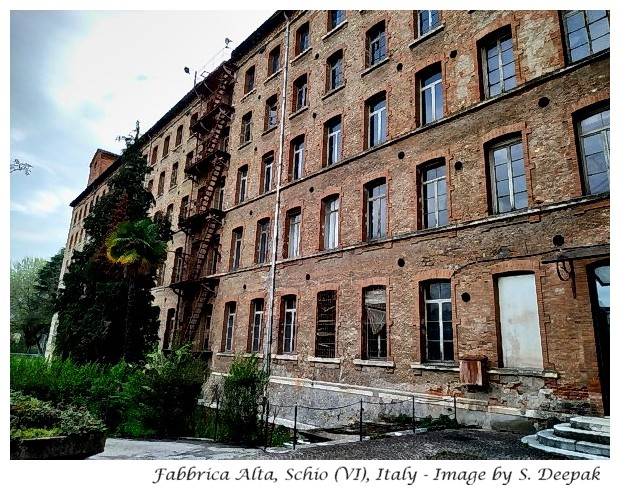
268, 338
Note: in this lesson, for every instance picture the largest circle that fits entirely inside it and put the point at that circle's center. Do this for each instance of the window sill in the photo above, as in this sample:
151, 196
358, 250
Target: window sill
424, 37
267, 131
435, 367
286, 357
255, 354
373, 363
225, 354
243, 145
340, 26
375, 66
298, 112
324, 360
301, 55
272, 76
246, 95
333, 91
533, 373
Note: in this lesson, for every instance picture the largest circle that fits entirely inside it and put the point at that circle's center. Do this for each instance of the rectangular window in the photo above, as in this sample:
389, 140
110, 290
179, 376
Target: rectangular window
262, 241
149, 187
594, 151
434, 196
331, 206
377, 123
336, 17
428, 20
169, 328
249, 79
160, 184
289, 320
154, 156
499, 65
188, 159
179, 136
334, 71
235, 259
374, 328
297, 161
192, 121
242, 183
229, 326
508, 177
333, 136
519, 322
376, 44
271, 112
376, 210
177, 269
174, 174
294, 233
166, 146
438, 321
169, 212
300, 93
431, 95
267, 172
246, 128
303, 39
274, 61
325, 342
587, 32
184, 207
256, 333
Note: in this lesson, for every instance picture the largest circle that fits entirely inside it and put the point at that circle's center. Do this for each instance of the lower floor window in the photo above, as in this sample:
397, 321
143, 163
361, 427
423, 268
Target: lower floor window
374, 327
438, 321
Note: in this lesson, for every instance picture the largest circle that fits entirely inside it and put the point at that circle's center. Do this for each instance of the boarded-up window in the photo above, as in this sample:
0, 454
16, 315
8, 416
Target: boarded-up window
374, 323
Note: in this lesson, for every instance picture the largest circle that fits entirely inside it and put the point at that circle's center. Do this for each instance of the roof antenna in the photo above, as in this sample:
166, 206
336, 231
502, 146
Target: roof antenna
227, 42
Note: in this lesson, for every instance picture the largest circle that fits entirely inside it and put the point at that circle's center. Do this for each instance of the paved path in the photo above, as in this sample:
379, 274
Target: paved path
446, 444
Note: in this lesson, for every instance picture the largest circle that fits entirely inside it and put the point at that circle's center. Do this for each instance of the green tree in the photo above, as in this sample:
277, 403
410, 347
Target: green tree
23, 301
94, 306
138, 248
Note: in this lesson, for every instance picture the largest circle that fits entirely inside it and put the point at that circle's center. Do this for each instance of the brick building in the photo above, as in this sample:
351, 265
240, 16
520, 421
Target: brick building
383, 204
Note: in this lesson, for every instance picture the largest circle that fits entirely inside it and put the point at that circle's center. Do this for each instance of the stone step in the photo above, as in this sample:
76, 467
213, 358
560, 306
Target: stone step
533, 441
549, 438
596, 424
569, 432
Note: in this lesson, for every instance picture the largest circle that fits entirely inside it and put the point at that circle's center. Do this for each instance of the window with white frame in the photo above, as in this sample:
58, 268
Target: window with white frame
229, 327
242, 179
262, 241
331, 208
428, 20
507, 166
439, 337
333, 137
293, 219
334, 71
267, 182
288, 324
377, 120
246, 128
434, 196
376, 44
374, 323
297, 158
587, 32
271, 112
235, 259
376, 209
256, 332
499, 64
300, 93
594, 151
431, 95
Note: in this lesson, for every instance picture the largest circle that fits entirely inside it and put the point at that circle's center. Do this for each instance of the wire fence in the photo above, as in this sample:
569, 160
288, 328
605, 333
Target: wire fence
360, 418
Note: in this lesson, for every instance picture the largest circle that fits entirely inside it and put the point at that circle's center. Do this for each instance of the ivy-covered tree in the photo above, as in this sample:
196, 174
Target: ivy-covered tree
93, 306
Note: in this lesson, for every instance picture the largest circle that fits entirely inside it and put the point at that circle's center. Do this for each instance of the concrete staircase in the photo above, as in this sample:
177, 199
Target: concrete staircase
581, 438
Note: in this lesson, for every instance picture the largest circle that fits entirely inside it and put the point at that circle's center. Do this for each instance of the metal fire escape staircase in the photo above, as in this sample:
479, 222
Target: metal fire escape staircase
203, 218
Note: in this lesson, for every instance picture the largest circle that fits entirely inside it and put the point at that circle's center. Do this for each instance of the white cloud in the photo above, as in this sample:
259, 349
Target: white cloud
17, 135
45, 202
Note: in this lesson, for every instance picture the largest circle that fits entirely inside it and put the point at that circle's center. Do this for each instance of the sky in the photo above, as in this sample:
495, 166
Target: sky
78, 80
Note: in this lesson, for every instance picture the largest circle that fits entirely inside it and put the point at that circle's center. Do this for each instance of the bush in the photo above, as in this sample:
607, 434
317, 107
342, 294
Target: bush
243, 391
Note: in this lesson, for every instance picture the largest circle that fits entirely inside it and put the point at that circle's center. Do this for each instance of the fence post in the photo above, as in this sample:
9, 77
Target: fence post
454, 402
413, 414
217, 412
295, 429
361, 410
